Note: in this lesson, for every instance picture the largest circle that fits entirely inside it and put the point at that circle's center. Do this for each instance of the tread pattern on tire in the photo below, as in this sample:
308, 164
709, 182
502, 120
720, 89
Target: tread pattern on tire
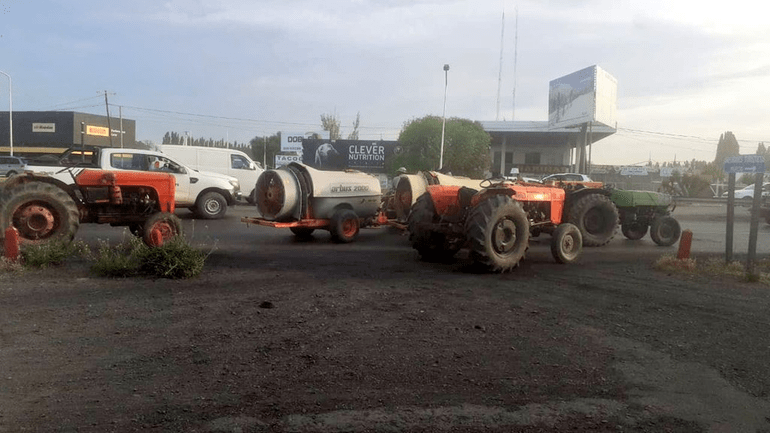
65, 228
430, 245
610, 215
658, 237
479, 228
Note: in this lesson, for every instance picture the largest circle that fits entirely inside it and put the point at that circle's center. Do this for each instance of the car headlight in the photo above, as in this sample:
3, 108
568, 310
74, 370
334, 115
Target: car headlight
235, 184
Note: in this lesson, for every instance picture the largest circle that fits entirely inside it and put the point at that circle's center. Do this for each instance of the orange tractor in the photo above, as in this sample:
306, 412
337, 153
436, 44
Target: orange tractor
45, 209
495, 223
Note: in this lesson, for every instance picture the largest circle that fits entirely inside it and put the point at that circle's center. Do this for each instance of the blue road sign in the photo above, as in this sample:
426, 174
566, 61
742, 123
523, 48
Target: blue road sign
745, 164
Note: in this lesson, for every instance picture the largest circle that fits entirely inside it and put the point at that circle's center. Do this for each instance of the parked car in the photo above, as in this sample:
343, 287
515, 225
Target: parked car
566, 177
10, 165
231, 162
747, 193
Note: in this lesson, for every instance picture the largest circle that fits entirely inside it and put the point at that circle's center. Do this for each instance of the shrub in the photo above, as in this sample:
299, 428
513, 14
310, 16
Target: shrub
118, 262
175, 259
52, 253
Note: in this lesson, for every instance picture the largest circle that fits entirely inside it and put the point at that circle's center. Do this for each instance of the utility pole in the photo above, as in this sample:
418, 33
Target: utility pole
109, 127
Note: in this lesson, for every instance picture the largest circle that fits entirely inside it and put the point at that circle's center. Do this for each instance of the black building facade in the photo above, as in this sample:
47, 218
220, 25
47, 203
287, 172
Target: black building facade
39, 132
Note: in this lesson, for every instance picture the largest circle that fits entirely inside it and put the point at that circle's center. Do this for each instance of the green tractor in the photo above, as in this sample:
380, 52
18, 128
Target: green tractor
643, 210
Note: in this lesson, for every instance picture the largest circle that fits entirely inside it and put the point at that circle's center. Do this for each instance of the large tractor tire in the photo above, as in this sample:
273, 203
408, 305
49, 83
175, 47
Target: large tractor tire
596, 216
432, 246
498, 233
160, 228
40, 211
345, 226
634, 230
665, 230
566, 243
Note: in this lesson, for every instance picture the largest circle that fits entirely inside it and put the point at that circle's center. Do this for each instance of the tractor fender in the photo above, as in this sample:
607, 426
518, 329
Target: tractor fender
28, 177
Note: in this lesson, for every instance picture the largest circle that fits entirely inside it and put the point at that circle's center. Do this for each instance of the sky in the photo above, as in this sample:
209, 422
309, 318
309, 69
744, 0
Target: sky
237, 69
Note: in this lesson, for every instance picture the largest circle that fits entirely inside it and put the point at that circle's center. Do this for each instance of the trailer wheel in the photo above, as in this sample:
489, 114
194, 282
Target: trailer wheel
665, 231
596, 216
344, 226
302, 232
566, 243
498, 232
432, 246
160, 228
634, 231
211, 206
40, 211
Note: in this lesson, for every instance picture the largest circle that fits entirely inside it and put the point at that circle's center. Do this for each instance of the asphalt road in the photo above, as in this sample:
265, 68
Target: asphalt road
707, 221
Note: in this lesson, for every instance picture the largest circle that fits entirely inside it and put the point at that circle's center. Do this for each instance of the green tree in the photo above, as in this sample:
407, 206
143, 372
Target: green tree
727, 146
331, 123
466, 146
264, 149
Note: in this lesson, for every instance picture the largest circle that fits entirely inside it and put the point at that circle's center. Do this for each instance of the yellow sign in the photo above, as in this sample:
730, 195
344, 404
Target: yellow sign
97, 130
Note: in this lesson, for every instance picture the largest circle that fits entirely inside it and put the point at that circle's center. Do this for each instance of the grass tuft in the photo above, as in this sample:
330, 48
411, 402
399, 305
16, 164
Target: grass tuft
715, 267
52, 253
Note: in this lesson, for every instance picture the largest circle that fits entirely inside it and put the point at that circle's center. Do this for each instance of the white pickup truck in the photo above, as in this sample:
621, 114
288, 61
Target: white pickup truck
206, 194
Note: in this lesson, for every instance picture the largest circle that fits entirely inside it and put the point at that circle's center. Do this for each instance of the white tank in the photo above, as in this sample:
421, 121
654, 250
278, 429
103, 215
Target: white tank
296, 191
412, 186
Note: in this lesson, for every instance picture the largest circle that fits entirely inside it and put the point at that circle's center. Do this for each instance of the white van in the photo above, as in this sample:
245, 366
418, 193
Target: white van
219, 160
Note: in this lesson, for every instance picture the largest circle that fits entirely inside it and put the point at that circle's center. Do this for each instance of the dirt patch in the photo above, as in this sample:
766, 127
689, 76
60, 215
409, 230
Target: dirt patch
320, 337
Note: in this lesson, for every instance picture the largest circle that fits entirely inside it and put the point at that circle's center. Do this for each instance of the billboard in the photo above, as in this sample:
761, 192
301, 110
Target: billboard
363, 155
292, 141
588, 95
281, 160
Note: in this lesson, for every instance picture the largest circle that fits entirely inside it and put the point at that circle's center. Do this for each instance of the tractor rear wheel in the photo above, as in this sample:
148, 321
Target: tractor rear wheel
498, 232
665, 230
634, 230
344, 226
432, 246
566, 243
596, 216
40, 211
160, 228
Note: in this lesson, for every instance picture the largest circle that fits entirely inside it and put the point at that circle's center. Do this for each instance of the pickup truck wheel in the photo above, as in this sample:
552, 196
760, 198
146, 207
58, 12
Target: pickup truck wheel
665, 231
160, 228
10, 173
252, 197
344, 226
211, 206
41, 212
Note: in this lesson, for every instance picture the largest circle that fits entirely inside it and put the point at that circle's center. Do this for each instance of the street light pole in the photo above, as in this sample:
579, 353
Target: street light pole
10, 110
443, 116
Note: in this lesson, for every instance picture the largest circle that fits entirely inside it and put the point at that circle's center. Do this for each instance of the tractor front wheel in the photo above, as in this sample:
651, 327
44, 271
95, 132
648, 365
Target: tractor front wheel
344, 226
160, 228
634, 231
566, 243
498, 232
665, 231
40, 211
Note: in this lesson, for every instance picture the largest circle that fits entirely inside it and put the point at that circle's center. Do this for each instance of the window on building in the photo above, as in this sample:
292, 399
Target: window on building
532, 158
